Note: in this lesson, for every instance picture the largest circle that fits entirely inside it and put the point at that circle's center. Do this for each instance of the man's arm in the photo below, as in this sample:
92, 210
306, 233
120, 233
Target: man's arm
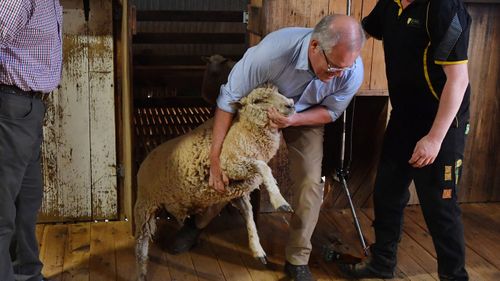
222, 122
314, 116
13, 17
427, 148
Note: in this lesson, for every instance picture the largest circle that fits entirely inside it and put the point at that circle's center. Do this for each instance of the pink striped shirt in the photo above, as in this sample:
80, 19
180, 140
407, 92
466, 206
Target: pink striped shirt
31, 44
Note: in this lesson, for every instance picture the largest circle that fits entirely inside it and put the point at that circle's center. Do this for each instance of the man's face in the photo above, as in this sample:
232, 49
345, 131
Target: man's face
328, 65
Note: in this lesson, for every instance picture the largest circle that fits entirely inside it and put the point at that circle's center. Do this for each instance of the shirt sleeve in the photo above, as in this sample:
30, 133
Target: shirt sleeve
448, 25
337, 102
372, 23
248, 73
14, 15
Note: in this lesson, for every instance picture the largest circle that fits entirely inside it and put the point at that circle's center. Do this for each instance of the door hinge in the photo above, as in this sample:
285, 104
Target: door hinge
245, 17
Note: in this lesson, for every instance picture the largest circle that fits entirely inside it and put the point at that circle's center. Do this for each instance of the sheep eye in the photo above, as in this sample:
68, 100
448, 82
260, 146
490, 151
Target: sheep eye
258, 101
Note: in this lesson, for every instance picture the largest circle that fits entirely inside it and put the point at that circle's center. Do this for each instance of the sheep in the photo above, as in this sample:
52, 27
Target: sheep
175, 174
216, 73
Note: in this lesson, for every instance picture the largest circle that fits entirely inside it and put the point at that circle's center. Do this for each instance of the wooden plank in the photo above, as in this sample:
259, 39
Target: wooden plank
361, 9
158, 269
477, 267
337, 7
255, 20
125, 252
67, 192
230, 261
190, 16
181, 267
205, 262
481, 170
102, 112
189, 38
318, 10
143, 59
102, 252
378, 79
77, 253
52, 251
237, 234
482, 234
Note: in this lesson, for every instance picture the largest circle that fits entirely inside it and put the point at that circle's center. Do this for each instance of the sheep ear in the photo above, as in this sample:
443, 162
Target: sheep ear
205, 59
236, 105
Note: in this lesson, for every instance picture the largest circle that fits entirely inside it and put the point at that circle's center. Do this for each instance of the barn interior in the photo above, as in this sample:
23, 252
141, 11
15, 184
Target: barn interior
140, 62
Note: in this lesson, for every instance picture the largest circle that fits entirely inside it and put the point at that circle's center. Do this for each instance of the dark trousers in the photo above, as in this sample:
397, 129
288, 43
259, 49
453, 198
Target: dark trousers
436, 187
21, 190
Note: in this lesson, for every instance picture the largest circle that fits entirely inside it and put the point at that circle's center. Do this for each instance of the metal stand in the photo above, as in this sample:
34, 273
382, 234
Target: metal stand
342, 174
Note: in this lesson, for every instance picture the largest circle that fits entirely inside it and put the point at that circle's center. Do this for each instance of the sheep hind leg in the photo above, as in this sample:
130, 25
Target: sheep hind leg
243, 204
275, 196
143, 237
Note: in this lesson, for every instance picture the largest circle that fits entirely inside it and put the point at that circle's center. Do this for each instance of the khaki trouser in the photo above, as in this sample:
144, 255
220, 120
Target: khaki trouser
305, 153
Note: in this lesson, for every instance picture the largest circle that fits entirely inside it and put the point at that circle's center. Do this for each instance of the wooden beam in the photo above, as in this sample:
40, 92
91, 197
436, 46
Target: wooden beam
159, 60
189, 38
195, 16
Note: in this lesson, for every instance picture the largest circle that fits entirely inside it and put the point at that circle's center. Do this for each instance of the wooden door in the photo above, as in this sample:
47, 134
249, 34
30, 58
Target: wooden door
79, 151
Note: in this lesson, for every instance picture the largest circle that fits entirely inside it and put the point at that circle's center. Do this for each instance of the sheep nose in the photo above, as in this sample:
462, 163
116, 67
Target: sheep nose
290, 106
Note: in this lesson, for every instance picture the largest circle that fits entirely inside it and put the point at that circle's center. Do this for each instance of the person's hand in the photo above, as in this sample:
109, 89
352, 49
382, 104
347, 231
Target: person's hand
278, 120
425, 152
217, 180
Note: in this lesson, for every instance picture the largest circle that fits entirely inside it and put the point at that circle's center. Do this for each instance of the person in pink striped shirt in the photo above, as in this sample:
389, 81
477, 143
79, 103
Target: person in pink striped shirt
30, 68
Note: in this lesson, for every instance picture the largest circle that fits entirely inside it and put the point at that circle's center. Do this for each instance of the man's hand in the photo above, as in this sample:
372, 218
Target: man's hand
217, 180
277, 120
425, 152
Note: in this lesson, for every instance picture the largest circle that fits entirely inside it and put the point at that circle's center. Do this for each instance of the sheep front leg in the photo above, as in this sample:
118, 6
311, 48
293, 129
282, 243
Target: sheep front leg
243, 204
269, 181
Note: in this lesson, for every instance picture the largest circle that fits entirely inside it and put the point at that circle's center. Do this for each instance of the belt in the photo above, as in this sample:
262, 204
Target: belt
13, 90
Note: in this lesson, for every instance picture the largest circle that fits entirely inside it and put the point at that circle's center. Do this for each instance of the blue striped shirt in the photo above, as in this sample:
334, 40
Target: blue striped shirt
281, 58
31, 44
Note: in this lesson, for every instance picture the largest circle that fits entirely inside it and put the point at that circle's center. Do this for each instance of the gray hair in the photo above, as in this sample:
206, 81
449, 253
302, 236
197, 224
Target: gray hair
335, 29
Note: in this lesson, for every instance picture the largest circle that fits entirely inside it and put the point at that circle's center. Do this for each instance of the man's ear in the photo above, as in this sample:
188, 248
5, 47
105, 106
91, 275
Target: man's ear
314, 44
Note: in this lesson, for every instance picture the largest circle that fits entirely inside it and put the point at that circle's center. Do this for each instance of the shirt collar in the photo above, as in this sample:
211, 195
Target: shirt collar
303, 59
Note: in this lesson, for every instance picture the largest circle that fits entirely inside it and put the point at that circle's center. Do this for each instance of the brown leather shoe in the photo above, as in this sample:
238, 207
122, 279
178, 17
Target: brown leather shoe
298, 272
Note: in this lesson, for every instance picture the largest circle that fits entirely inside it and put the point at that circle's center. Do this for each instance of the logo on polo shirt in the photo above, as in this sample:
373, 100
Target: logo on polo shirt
413, 22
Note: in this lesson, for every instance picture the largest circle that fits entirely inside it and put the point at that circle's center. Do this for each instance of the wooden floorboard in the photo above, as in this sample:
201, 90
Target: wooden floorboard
105, 251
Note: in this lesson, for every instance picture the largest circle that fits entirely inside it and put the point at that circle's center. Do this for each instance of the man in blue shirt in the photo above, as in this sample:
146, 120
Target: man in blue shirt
321, 71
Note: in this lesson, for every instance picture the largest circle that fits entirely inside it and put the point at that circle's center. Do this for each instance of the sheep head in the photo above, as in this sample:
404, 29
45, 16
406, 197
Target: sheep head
254, 107
216, 73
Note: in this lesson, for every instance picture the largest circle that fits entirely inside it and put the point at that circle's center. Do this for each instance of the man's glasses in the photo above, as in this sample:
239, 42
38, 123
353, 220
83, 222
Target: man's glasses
332, 69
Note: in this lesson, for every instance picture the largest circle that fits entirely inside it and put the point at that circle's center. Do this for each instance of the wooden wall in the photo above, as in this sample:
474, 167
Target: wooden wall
79, 152
481, 178
171, 37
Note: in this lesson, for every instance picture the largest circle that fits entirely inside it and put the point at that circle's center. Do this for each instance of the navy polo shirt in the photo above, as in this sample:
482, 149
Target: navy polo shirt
418, 41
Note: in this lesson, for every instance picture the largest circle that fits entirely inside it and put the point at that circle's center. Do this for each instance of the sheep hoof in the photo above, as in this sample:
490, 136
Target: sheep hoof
263, 259
285, 208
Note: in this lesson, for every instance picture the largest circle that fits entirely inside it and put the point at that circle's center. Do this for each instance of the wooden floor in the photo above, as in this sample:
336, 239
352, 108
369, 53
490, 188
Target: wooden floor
104, 251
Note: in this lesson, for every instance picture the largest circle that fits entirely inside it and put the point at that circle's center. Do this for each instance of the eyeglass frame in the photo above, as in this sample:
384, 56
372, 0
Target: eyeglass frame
332, 69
